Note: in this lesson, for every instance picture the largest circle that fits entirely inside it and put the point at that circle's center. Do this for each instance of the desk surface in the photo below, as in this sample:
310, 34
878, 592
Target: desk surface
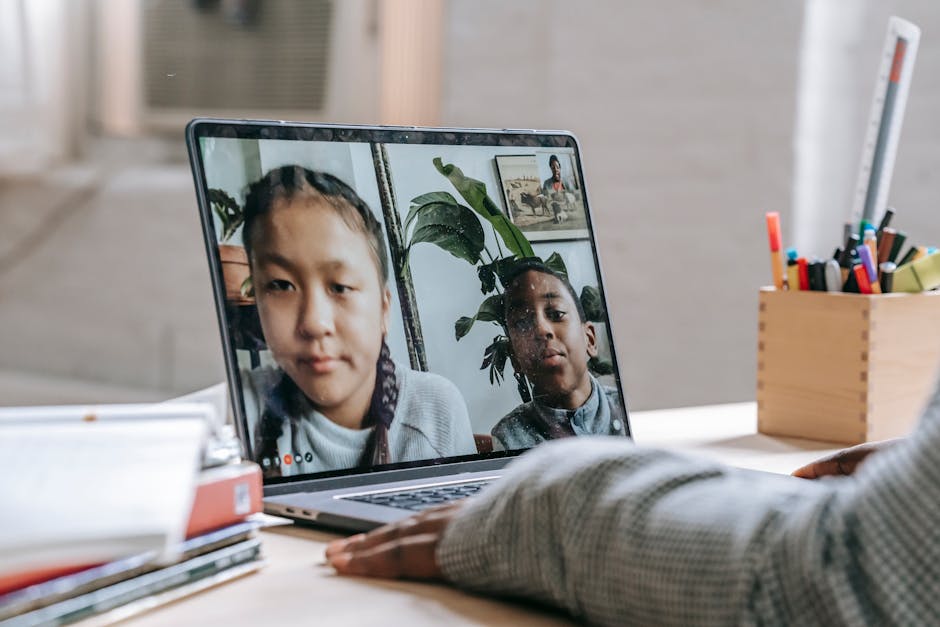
295, 588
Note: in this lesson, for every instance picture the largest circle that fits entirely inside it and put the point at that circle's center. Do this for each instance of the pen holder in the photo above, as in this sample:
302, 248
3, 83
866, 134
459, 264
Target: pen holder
843, 367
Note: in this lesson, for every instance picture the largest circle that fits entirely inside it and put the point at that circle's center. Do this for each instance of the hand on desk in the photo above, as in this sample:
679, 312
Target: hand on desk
402, 550
843, 462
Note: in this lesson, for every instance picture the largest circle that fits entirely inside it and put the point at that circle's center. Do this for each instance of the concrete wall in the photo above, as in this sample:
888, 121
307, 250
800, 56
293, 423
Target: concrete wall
685, 116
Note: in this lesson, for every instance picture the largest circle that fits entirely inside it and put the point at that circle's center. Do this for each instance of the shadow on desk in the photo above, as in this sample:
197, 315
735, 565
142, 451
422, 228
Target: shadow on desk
758, 442
408, 602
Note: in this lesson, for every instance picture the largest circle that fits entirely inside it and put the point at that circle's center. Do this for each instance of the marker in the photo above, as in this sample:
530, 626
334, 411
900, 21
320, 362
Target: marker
861, 279
887, 276
817, 276
845, 262
804, 273
885, 244
833, 276
793, 270
868, 262
899, 240
773, 234
885, 221
851, 285
871, 241
920, 254
908, 256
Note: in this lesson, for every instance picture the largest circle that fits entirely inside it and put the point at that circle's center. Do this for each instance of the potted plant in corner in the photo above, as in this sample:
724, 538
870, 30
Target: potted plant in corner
235, 270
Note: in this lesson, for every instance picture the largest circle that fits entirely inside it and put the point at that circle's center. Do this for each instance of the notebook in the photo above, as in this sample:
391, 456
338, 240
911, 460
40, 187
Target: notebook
402, 310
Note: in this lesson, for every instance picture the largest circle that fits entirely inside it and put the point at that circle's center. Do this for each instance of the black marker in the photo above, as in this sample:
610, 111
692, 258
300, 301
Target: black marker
908, 256
885, 221
896, 247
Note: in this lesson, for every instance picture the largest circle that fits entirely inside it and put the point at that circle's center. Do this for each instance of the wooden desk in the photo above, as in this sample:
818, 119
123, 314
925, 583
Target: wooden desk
295, 589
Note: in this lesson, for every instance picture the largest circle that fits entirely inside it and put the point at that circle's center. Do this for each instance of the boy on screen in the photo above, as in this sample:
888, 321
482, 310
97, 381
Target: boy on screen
551, 343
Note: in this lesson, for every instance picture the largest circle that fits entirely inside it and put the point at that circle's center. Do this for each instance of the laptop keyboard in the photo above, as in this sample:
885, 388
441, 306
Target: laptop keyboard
422, 498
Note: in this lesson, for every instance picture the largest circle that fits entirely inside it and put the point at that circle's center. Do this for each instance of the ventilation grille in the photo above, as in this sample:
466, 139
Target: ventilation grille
273, 58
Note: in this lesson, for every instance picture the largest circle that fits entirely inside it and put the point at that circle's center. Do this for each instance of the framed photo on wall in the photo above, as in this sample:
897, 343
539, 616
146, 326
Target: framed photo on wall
543, 195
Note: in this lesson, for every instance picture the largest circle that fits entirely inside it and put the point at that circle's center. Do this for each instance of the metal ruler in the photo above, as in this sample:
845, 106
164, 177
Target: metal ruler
884, 123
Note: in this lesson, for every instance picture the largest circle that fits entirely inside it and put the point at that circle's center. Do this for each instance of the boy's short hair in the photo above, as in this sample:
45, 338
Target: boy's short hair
537, 265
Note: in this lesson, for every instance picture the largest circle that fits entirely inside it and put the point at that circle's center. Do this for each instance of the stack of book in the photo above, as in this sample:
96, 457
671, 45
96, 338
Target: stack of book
137, 509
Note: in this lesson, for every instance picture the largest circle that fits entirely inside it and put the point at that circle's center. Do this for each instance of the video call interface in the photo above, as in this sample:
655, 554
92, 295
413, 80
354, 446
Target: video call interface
393, 299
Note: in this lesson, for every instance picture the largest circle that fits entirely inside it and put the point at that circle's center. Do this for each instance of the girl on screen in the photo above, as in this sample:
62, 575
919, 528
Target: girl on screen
335, 399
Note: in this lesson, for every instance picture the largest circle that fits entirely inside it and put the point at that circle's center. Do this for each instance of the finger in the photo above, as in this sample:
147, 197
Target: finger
817, 469
428, 521
410, 557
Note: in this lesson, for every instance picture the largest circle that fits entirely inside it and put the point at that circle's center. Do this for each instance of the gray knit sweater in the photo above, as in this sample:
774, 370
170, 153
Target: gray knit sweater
615, 534
431, 421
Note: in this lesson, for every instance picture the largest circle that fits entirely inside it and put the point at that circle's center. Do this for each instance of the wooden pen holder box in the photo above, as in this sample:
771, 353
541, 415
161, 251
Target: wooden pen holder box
843, 367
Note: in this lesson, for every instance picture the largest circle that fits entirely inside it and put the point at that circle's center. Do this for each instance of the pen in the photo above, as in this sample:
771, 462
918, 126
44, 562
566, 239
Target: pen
864, 226
868, 262
773, 234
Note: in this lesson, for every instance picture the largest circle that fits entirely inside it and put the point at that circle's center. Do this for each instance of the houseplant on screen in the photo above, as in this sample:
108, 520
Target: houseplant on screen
438, 218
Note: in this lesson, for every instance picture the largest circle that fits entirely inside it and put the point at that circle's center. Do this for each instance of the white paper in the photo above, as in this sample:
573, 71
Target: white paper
78, 491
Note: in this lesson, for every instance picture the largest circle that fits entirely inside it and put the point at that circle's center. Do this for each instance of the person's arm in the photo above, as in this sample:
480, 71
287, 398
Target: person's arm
616, 535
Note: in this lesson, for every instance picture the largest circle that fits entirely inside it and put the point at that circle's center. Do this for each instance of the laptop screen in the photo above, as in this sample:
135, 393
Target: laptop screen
396, 297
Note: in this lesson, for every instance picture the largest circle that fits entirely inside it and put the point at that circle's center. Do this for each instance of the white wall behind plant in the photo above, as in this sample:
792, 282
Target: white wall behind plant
685, 117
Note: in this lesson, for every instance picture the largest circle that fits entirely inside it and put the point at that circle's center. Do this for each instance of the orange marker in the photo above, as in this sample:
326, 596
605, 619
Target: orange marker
861, 277
776, 261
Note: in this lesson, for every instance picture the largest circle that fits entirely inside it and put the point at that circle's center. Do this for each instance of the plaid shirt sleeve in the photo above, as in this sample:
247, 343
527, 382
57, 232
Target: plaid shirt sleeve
618, 534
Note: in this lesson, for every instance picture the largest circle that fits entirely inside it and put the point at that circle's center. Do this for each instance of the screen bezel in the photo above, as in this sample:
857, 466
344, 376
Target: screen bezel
298, 131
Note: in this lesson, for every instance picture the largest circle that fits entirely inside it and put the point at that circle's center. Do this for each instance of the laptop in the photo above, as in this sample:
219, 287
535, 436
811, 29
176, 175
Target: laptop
402, 310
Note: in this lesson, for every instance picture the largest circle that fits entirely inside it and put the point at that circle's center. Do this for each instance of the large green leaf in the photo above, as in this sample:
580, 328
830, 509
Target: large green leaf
556, 263
444, 197
592, 305
474, 192
491, 310
424, 200
494, 358
453, 228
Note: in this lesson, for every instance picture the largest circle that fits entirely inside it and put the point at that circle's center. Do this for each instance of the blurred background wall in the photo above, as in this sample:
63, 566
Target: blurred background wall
694, 120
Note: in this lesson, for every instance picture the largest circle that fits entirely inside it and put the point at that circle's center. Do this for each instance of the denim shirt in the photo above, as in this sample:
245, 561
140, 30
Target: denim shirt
534, 422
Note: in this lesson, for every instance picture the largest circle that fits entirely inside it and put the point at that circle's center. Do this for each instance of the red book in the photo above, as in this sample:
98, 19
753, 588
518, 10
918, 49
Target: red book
224, 496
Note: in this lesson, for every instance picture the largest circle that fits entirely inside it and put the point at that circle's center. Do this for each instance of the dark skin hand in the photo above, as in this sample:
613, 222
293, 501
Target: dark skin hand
844, 462
402, 550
